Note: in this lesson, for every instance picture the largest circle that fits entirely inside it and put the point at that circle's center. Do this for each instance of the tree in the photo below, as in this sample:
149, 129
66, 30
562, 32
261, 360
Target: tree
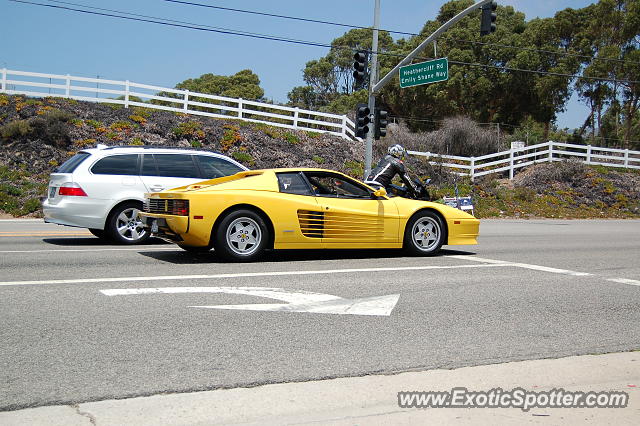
244, 84
330, 78
613, 29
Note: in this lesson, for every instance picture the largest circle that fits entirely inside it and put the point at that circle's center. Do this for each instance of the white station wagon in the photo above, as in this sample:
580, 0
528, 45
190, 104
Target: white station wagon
103, 188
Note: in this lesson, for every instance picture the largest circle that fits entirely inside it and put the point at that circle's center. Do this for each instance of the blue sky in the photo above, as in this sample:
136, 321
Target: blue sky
41, 39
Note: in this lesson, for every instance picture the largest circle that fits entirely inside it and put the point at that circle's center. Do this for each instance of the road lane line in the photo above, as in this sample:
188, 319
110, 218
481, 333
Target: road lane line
624, 281
88, 250
244, 275
523, 265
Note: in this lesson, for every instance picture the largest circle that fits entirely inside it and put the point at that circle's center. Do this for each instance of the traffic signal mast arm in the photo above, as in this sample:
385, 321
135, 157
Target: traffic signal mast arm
376, 88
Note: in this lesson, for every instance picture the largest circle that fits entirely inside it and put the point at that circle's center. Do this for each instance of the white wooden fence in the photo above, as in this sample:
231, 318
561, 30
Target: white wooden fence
102, 90
517, 158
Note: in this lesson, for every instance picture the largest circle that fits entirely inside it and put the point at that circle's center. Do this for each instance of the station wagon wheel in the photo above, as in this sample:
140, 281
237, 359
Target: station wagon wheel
124, 225
424, 234
241, 236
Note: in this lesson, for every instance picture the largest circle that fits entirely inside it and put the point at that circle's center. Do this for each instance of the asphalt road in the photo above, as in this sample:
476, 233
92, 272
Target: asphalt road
529, 290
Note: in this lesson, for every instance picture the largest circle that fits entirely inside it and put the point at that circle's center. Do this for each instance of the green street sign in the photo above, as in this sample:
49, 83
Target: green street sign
424, 73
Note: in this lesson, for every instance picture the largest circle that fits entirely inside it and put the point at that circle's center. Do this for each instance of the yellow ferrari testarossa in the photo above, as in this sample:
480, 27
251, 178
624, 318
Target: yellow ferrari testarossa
241, 215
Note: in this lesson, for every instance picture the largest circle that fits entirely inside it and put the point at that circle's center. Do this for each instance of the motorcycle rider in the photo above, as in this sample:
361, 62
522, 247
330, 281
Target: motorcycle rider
390, 166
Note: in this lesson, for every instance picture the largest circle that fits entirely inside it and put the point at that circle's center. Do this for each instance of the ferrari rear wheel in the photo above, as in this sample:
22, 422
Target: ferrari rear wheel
241, 236
424, 234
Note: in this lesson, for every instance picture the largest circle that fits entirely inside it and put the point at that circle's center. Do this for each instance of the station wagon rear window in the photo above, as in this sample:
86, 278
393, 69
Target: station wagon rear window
72, 163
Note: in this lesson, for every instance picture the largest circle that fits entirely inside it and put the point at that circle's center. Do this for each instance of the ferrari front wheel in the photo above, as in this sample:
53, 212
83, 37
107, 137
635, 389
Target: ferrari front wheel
424, 234
241, 236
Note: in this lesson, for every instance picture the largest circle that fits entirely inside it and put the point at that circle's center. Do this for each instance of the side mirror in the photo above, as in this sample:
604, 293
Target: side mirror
381, 192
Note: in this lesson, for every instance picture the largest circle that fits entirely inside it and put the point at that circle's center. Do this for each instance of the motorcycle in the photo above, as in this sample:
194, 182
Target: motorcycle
420, 194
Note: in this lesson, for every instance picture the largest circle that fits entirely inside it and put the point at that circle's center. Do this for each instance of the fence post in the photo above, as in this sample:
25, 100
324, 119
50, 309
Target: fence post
185, 106
126, 94
344, 126
68, 88
240, 105
626, 158
296, 115
4, 79
472, 171
511, 164
588, 154
551, 151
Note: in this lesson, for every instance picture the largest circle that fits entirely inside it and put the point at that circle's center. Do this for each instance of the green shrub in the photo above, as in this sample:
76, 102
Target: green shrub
94, 123
120, 126
524, 194
31, 206
243, 157
187, 128
136, 141
52, 127
15, 129
142, 112
291, 138
356, 168
9, 204
318, 159
113, 136
10, 189
230, 137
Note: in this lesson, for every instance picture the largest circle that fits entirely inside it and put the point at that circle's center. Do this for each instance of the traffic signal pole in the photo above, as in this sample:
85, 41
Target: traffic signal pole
373, 79
375, 86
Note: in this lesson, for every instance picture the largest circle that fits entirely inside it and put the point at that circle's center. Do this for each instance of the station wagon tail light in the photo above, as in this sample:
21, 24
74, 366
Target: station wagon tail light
71, 188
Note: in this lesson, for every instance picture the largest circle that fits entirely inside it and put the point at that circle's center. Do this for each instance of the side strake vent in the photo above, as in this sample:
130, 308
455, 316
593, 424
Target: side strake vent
311, 223
340, 226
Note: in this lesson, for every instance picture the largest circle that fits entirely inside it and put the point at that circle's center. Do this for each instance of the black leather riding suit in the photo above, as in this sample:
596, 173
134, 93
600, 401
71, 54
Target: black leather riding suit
388, 167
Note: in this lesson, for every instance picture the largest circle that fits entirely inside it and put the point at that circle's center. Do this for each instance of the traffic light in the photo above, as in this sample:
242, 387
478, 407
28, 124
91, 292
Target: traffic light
359, 68
380, 124
362, 120
487, 24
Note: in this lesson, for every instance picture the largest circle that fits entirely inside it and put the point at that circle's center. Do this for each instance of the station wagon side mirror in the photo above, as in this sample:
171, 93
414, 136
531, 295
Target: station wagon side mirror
381, 192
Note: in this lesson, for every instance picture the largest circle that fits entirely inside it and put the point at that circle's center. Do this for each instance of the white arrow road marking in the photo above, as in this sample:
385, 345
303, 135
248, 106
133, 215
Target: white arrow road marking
297, 301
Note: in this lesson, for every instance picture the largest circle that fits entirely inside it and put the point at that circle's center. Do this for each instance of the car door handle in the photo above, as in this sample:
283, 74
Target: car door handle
156, 188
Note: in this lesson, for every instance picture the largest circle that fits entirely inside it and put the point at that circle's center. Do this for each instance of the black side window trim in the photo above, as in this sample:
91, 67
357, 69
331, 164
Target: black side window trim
141, 166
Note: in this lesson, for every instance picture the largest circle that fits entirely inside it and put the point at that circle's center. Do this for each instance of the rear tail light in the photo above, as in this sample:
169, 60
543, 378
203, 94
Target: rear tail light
174, 207
179, 207
71, 188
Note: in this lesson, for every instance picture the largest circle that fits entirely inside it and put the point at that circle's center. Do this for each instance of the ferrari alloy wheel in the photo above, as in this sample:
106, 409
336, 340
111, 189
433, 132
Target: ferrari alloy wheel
424, 234
124, 225
241, 236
